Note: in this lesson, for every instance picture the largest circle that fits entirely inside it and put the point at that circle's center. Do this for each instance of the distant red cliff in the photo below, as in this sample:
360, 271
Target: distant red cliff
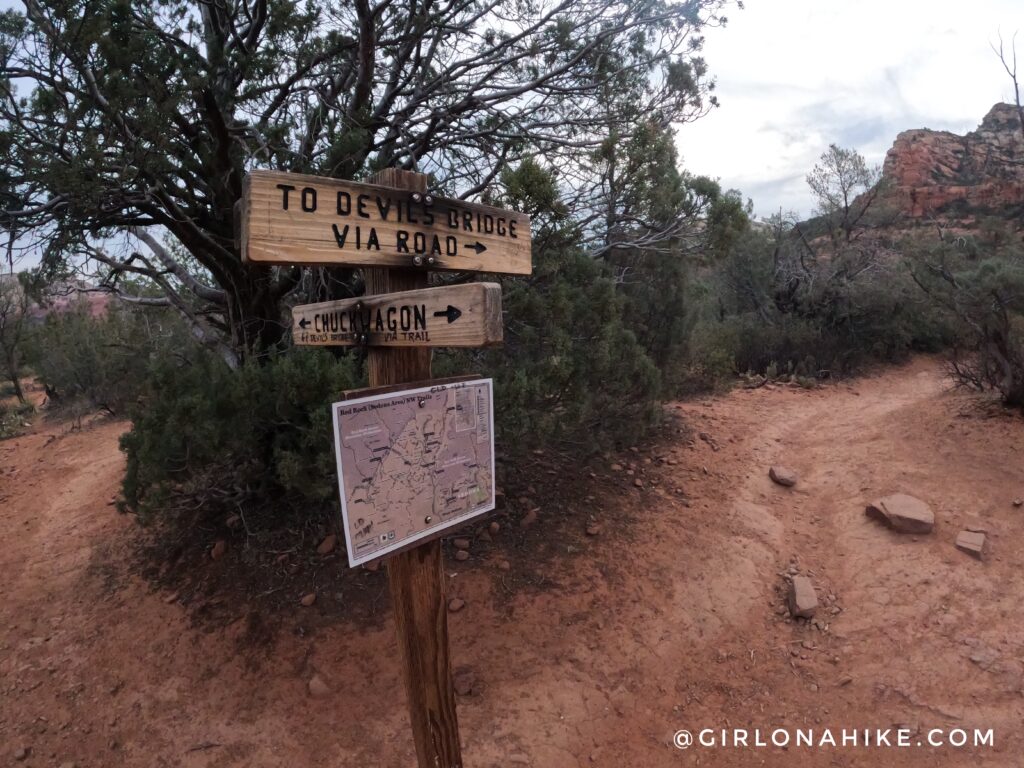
943, 175
71, 296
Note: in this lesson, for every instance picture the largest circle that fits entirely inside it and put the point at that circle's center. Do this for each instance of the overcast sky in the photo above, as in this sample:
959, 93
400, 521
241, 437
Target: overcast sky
797, 75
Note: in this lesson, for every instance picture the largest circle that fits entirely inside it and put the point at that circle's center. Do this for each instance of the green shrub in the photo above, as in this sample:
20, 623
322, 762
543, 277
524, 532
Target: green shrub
658, 295
101, 362
983, 297
570, 374
228, 437
767, 311
13, 418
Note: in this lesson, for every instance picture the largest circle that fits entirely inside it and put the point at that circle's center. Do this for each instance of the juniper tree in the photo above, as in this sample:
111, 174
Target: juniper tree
14, 306
125, 117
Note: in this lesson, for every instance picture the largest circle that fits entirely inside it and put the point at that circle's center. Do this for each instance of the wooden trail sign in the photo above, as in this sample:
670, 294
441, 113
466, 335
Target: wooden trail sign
396, 232
466, 315
289, 218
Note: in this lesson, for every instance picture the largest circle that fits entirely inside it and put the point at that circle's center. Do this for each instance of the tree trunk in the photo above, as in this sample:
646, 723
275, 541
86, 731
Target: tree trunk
12, 368
258, 322
256, 319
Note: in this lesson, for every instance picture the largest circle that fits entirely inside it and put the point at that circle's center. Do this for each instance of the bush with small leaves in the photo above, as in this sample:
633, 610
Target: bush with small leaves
261, 434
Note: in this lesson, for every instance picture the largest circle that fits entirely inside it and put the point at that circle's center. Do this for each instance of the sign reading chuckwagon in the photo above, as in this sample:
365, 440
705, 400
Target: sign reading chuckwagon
290, 218
467, 315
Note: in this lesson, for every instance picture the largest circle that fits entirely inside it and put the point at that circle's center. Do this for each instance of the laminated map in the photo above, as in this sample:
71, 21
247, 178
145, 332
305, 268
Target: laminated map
412, 464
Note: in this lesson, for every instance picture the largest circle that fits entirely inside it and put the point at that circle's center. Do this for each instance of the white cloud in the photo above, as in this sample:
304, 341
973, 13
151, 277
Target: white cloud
796, 75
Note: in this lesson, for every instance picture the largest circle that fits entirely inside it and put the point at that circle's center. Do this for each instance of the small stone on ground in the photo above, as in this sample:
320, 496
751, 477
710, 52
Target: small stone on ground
783, 476
528, 519
803, 601
902, 513
971, 542
318, 688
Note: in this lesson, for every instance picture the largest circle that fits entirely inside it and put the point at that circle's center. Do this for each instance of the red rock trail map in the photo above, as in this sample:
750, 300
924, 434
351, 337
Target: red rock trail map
413, 463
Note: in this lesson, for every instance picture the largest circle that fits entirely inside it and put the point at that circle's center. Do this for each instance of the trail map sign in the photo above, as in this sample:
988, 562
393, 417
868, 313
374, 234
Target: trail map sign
413, 463
290, 218
448, 316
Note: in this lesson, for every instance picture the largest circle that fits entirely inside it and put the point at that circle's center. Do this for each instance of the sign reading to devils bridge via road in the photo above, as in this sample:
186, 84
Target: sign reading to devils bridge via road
467, 315
289, 218
413, 463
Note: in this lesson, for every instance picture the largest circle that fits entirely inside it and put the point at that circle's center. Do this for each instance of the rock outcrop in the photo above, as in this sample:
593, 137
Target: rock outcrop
939, 174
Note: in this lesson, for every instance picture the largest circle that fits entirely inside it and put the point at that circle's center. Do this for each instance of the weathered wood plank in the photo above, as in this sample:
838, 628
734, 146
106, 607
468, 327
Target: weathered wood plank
467, 315
290, 218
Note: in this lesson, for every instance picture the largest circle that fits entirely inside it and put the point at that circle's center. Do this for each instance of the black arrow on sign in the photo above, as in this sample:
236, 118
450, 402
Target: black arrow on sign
478, 247
303, 323
452, 313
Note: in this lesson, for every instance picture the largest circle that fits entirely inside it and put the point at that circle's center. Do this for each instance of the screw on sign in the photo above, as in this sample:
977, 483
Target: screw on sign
397, 231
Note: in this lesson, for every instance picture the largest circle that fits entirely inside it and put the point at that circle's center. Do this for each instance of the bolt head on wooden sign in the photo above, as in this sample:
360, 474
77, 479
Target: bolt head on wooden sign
413, 463
466, 315
290, 218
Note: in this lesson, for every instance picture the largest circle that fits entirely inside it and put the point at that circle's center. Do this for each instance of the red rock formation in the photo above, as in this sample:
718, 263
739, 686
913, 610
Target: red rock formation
71, 296
937, 173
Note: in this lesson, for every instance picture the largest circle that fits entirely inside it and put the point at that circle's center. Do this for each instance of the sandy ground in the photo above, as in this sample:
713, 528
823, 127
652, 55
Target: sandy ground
669, 619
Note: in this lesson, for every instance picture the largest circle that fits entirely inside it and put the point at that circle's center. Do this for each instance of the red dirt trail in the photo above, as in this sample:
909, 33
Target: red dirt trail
669, 619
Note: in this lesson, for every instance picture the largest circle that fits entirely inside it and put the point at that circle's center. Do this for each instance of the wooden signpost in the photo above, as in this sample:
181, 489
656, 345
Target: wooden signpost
397, 231
466, 315
288, 218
